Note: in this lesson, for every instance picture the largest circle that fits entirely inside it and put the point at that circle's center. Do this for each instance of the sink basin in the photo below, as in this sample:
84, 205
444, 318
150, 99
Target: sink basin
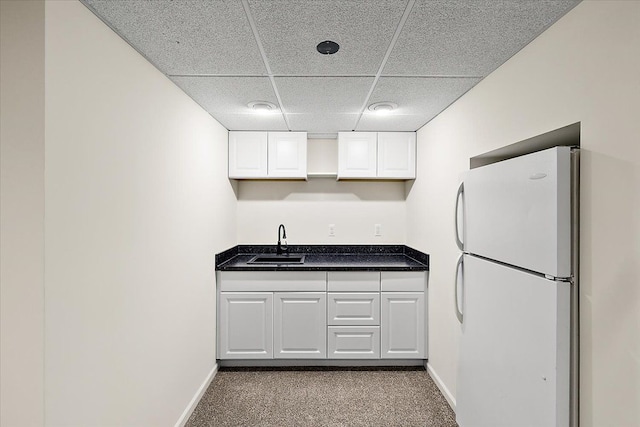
277, 259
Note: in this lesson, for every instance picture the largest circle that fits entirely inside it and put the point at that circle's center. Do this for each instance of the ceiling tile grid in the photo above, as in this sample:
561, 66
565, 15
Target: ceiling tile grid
290, 31
251, 121
420, 54
323, 94
320, 122
226, 95
428, 96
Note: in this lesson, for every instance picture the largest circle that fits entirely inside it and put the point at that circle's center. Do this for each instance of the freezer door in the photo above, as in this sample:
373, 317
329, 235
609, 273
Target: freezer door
513, 366
518, 211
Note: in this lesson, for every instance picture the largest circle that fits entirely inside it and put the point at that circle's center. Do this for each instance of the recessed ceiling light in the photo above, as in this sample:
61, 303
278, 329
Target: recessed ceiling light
383, 107
328, 47
263, 107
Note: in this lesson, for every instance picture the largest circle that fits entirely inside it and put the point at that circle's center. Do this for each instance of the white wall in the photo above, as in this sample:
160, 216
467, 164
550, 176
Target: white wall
306, 208
137, 204
584, 68
21, 213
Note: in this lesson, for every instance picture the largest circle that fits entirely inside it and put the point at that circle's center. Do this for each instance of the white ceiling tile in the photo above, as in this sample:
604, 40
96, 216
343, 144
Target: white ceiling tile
291, 30
323, 94
186, 37
322, 122
227, 95
252, 121
416, 97
461, 37
391, 123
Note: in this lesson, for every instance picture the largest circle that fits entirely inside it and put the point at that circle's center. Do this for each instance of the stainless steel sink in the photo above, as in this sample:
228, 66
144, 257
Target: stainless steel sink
277, 259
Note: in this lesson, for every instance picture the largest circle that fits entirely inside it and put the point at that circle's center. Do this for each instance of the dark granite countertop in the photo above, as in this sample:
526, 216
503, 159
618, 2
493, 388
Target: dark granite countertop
328, 258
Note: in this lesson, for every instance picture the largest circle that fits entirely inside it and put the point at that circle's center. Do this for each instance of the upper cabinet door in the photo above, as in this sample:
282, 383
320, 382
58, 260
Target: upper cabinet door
247, 154
357, 154
397, 155
287, 155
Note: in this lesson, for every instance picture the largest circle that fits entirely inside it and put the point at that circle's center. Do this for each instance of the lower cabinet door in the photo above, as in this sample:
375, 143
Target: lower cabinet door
354, 342
300, 325
403, 325
245, 325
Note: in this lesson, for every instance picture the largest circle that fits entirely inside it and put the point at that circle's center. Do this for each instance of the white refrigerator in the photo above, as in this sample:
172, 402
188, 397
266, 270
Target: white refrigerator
516, 287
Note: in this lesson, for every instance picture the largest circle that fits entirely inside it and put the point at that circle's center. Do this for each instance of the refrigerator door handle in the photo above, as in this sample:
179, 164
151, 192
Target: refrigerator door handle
458, 196
459, 264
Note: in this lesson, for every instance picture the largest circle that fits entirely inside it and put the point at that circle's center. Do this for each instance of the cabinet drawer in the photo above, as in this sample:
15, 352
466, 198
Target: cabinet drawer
353, 281
272, 281
353, 308
403, 281
354, 342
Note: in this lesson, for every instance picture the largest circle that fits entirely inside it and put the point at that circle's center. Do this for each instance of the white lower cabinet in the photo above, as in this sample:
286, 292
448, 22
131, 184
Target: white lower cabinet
354, 342
319, 315
300, 325
245, 328
403, 325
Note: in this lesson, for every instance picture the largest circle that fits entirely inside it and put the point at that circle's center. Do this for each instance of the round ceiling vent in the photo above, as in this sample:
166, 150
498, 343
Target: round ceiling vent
383, 107
328, 47
262, 106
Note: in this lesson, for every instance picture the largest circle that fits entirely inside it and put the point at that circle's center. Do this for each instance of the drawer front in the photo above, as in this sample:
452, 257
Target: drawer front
354, 342
353, 281
403, 281
272, 281
353, 308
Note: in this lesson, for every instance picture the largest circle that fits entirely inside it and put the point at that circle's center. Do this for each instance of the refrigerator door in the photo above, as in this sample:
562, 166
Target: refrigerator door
513, 367
518, 211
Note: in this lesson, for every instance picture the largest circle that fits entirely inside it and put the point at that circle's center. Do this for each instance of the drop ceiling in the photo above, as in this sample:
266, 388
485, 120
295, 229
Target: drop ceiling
421, 55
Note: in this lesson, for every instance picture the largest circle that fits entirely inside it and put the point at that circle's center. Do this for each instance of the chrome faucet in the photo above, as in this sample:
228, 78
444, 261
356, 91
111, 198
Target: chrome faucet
280, 250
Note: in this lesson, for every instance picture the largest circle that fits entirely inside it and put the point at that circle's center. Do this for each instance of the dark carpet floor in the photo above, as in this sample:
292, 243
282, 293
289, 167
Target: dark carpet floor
322, 397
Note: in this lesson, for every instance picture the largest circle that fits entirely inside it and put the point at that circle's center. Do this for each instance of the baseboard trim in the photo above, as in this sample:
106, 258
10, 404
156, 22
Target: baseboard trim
443, 388
196, 398
277, 363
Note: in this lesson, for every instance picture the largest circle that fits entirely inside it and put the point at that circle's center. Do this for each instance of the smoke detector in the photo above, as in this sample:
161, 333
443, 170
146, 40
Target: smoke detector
328, 47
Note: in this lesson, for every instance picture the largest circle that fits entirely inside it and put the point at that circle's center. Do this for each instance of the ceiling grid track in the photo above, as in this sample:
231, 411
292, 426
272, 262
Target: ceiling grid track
404, 18
254, 29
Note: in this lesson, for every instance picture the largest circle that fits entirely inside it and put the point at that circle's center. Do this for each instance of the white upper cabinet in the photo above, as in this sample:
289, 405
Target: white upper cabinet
267, 155
357, 154
397, 155
376, 155
247, 154
287, 155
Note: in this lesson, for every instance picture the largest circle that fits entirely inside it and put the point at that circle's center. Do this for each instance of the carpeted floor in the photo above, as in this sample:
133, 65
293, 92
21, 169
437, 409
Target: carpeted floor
322, 397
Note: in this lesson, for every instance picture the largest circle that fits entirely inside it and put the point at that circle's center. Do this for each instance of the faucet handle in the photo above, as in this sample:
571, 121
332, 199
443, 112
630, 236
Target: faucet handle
285, 246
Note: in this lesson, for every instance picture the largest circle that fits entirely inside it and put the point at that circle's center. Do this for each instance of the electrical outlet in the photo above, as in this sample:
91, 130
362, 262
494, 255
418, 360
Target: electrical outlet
377, 230
332, 230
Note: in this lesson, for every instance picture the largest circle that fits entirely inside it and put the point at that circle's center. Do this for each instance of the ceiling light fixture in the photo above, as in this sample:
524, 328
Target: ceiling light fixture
263, 107
383, 107
328, 47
